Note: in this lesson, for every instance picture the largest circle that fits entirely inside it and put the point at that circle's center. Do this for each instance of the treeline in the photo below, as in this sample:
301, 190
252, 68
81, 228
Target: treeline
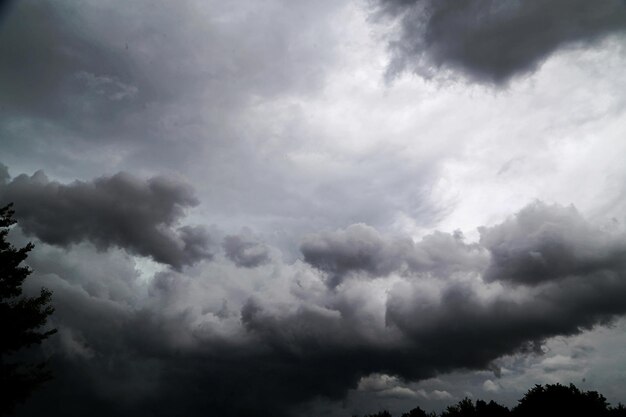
540, 401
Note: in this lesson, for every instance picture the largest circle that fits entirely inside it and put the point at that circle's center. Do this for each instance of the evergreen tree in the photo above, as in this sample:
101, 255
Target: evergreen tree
21, 322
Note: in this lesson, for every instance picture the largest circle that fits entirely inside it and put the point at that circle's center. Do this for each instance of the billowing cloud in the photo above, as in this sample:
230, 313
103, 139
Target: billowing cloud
543, 243
271, 349
491, 41
277, 114
385, 386
436, 323
244, 251
362, 249
122, 211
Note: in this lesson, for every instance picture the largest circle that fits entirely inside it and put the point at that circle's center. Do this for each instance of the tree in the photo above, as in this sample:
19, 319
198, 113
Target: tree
464, 408
21, 321
418, 412
561, 400
491, 409
383, 413
619, 411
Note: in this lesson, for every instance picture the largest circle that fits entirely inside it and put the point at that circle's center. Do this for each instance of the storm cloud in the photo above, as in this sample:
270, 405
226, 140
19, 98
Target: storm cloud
311, 246
490, 41
361, 249
121, 210
244, 251
271, 350
439, 322
546, 243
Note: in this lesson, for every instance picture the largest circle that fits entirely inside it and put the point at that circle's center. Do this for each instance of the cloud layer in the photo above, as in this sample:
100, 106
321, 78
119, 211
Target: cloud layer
278, 116
491, 41
394, 310
122, 210
545, 243
244, 251
362, 249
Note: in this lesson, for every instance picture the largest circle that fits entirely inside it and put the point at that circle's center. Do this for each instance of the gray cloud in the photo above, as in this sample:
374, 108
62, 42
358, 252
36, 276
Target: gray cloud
274, 348
544, 243
124, 211
491, 41
273, 111
359, 248
62, 72
179, 348
540, 243
434, 325
126, 85
244, 251
91, 73
362, 249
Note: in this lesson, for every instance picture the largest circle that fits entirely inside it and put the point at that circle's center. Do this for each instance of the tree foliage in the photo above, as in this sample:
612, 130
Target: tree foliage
559, 399
383, 413
21, 321
418, 412
540, 401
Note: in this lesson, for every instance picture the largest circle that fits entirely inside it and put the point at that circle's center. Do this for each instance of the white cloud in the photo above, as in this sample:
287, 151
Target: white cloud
491, 386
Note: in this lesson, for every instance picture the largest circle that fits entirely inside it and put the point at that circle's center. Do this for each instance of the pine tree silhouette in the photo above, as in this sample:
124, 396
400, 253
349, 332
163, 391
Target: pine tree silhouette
21, 320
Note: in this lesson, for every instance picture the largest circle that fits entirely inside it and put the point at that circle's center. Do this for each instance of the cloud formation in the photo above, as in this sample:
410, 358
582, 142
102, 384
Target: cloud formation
547, 243
244, 251
273, 348
361, 249
275, 113
137, 215
491, 41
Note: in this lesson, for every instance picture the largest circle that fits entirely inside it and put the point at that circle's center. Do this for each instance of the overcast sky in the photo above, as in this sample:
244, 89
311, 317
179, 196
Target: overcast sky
328, 207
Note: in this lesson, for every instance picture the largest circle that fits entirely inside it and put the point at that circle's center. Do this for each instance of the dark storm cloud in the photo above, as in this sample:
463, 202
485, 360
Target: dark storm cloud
245, 252
124, 211
362, 249
540, 243
500, 325
491, 41
359, 248
543, 243
166, 353
461, 323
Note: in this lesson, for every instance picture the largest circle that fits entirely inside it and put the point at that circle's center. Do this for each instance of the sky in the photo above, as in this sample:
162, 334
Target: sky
304, 208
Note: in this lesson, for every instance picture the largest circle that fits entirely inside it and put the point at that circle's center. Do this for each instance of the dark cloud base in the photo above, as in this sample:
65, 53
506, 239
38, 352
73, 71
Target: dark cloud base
453, 306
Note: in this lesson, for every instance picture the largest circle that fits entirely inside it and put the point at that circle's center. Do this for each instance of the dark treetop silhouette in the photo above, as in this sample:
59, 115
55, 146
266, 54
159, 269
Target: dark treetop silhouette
21, 322
551, 400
